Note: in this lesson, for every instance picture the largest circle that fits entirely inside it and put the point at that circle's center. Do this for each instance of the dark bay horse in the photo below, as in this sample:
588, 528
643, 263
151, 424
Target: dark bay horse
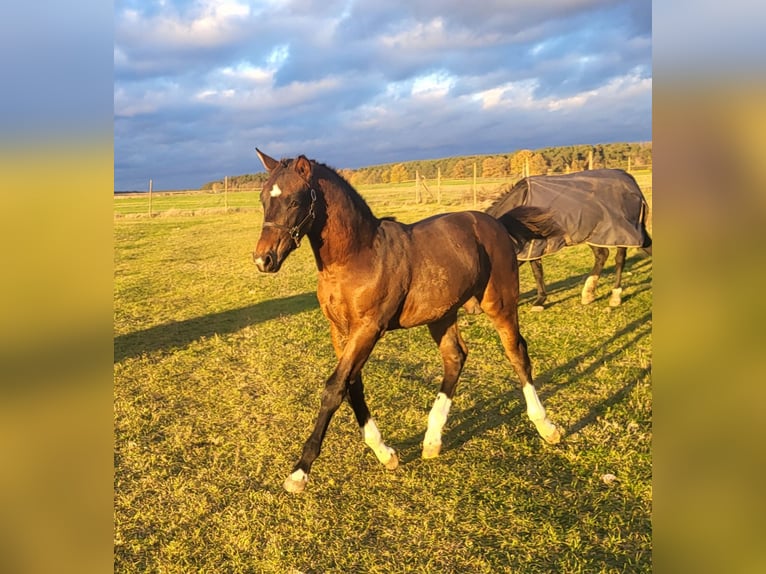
603, 208
376, 275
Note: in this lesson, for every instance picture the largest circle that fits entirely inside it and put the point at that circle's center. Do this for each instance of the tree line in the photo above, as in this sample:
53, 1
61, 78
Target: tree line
549, 160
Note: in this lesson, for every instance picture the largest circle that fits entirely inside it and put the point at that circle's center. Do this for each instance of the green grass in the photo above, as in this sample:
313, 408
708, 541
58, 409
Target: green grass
217, 376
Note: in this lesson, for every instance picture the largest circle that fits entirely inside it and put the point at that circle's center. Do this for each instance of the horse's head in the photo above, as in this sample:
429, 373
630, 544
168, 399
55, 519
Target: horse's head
288, 200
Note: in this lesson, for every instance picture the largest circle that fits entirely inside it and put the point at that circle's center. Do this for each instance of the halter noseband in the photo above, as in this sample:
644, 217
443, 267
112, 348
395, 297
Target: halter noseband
296, 230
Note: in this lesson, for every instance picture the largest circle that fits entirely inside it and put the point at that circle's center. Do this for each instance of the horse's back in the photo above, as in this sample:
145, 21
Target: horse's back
452, 257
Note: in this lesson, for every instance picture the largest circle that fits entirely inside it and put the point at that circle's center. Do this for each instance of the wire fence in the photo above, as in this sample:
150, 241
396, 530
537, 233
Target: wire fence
384, 199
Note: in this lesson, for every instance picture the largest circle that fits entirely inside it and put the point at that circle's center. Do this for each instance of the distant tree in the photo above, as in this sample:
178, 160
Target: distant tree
346, 174
522, 159
398, 173
561, 159
495, 166
358, 177
461, 169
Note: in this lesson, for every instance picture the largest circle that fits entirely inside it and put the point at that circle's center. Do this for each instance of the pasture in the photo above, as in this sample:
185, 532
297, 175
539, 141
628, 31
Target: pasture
218, 372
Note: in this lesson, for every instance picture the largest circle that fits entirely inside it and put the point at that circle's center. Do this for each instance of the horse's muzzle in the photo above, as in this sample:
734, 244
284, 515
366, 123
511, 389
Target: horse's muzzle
266, 262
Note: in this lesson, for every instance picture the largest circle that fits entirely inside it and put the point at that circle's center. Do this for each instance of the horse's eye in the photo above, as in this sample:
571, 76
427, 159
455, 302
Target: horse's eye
293, 204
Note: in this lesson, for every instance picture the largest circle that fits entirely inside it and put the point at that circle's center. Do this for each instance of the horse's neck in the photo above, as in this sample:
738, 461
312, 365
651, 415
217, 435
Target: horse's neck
347, 230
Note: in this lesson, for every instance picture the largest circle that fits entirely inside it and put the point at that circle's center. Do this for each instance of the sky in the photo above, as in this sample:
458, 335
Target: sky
351, 83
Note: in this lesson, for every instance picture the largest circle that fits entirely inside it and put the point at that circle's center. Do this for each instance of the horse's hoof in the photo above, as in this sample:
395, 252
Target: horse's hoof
296, 482
554, 437
431, 450
589, 290
537, 308
616, 298
393, 462
472, 307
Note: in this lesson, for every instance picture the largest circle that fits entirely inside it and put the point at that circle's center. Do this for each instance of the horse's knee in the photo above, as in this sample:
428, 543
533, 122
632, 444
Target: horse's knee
331, 399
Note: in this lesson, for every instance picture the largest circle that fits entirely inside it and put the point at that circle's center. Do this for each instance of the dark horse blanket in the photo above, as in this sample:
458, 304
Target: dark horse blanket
603, 207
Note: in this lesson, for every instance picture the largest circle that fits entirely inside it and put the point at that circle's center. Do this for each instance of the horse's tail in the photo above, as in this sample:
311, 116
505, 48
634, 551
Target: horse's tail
526, 223
647, 244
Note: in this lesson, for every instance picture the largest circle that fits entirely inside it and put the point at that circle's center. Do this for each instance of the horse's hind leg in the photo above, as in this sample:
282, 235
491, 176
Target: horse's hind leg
454, 352
537, 271
589, 290
505, 319
619, 264
370, 433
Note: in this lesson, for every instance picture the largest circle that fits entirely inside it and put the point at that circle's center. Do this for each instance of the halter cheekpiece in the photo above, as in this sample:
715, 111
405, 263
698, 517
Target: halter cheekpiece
296, 231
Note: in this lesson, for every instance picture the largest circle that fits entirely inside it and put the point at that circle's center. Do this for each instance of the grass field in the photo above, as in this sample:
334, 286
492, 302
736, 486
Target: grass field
217, 376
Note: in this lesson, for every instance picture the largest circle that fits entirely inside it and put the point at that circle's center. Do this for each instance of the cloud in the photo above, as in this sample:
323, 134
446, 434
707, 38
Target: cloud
357, 82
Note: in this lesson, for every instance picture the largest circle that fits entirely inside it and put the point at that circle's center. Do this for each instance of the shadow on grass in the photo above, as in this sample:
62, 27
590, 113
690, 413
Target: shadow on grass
494, 412
181, 333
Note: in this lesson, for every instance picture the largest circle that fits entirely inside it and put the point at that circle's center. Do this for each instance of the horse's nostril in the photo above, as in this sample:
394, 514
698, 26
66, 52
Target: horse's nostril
264, 262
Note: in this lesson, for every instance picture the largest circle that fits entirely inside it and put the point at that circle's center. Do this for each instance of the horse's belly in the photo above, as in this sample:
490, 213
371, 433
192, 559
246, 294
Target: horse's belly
424, 307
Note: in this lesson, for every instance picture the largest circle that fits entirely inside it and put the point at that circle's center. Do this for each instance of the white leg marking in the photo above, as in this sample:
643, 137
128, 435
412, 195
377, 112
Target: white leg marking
589, 290
275, 191
296, 482
535, 409
616, 298
436, 419
374, 440
299, 476
536, 413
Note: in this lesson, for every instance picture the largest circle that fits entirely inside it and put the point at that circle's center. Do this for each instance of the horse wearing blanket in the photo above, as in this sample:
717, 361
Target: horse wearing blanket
603, 208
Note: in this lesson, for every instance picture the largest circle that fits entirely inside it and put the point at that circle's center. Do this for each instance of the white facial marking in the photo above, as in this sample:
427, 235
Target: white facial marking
275, 191
259, 262
436, 419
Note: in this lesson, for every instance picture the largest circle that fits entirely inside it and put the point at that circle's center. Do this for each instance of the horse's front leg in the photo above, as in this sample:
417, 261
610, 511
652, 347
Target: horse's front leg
355, 354
370, 433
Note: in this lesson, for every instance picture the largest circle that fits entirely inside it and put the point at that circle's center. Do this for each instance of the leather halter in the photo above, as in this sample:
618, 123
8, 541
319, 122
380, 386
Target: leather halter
296, 231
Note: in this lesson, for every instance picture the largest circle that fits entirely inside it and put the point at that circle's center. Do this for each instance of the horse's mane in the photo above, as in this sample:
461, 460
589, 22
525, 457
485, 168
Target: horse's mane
500, 196
348, 190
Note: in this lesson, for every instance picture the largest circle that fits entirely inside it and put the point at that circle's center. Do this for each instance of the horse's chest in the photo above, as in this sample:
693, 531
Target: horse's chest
353, 300
333, 305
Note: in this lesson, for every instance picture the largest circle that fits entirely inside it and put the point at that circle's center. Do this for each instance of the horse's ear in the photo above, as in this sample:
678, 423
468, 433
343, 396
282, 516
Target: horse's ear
303, 167
268, 162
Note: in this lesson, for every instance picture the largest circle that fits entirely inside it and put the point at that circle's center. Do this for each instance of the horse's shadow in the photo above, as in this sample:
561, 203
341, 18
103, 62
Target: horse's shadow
178, 334
493, 412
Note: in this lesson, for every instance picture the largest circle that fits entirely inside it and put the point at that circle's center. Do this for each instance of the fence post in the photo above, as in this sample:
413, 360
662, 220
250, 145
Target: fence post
417, 187
439, 185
